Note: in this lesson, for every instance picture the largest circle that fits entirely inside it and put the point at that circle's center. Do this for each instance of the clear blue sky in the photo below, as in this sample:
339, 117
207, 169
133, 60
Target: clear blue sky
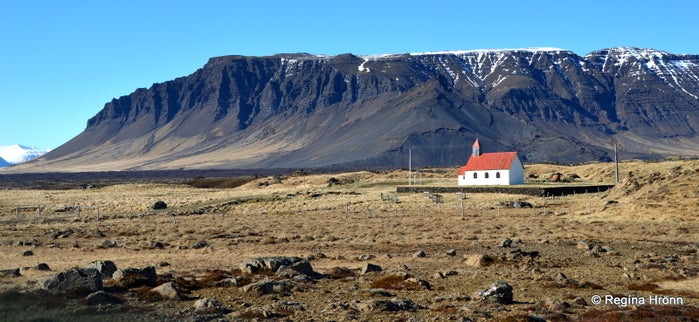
61, 61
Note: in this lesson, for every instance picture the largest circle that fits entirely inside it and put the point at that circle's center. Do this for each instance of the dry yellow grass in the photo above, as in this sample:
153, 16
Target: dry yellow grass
649, 216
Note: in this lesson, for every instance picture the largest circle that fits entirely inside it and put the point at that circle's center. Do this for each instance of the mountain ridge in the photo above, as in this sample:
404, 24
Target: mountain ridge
303, 110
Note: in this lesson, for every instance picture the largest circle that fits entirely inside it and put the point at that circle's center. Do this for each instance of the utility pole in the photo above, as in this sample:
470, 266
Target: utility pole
616, 163
410, 166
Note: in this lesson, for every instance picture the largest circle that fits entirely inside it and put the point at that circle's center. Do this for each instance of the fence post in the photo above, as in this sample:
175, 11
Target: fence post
98, 213
347, 211
17, 212
38, 212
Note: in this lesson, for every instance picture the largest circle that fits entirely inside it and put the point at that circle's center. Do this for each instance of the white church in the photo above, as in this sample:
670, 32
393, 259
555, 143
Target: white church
496, 168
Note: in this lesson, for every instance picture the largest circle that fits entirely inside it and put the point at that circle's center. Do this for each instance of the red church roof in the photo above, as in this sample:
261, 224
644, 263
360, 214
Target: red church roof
489, 161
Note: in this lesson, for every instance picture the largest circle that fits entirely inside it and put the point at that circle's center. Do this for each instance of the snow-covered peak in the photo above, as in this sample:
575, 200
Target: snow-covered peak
3, 163
623, 54
638, 53
485, 51
17, 153
465, 52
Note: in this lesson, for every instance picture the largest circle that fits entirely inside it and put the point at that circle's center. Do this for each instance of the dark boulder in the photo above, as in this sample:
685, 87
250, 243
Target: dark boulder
135, 277
107, 268
500, 292
74, 282
158, 205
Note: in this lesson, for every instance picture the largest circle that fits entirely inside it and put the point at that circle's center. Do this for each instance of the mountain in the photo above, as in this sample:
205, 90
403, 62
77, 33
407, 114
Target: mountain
14, 154
3, 163
304, 111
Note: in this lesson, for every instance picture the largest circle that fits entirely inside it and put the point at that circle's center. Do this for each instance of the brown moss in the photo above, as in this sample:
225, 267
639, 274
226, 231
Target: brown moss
145, 294
446, 308
642, 287
340, 273
395, 282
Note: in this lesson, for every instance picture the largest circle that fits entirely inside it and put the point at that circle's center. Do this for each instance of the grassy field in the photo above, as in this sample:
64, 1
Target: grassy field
647, 224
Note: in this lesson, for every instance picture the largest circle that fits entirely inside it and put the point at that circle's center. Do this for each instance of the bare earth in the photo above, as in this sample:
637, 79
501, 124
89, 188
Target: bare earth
637, 242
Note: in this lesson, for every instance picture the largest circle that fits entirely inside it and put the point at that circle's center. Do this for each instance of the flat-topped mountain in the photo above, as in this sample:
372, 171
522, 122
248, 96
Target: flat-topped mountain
304, 111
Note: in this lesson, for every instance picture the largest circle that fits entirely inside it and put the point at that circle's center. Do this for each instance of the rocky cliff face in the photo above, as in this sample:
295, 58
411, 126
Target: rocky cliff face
299, 110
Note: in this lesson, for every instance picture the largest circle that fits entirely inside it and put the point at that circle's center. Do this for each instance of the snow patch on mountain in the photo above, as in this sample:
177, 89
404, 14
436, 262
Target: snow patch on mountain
488, 51
14, 154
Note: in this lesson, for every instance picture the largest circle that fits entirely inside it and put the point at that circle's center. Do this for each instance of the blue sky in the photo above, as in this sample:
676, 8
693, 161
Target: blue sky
61, 61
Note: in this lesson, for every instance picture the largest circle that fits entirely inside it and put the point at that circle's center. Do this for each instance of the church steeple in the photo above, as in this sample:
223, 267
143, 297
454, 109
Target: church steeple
476, 149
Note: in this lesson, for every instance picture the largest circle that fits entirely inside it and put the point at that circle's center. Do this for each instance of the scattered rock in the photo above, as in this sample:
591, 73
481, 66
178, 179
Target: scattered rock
552, 304
301, 268
200, 245
231, 281
341, 272
27, 253
420, 254
106, 268
478, 260
500, 292
369, 267
102, 298
14, 272
506, 243
168, 290
275, 310
392, 305
580, 301
28, 243
135, 277
377, 292
158, 205
522, 204
365, 257
154, 245
451, 252
416, 283
162, 264
208, 305
592, 253
63, 234
43, 267
73, 282
109, 244
563, 281
583, 245
268, 286
270, 264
